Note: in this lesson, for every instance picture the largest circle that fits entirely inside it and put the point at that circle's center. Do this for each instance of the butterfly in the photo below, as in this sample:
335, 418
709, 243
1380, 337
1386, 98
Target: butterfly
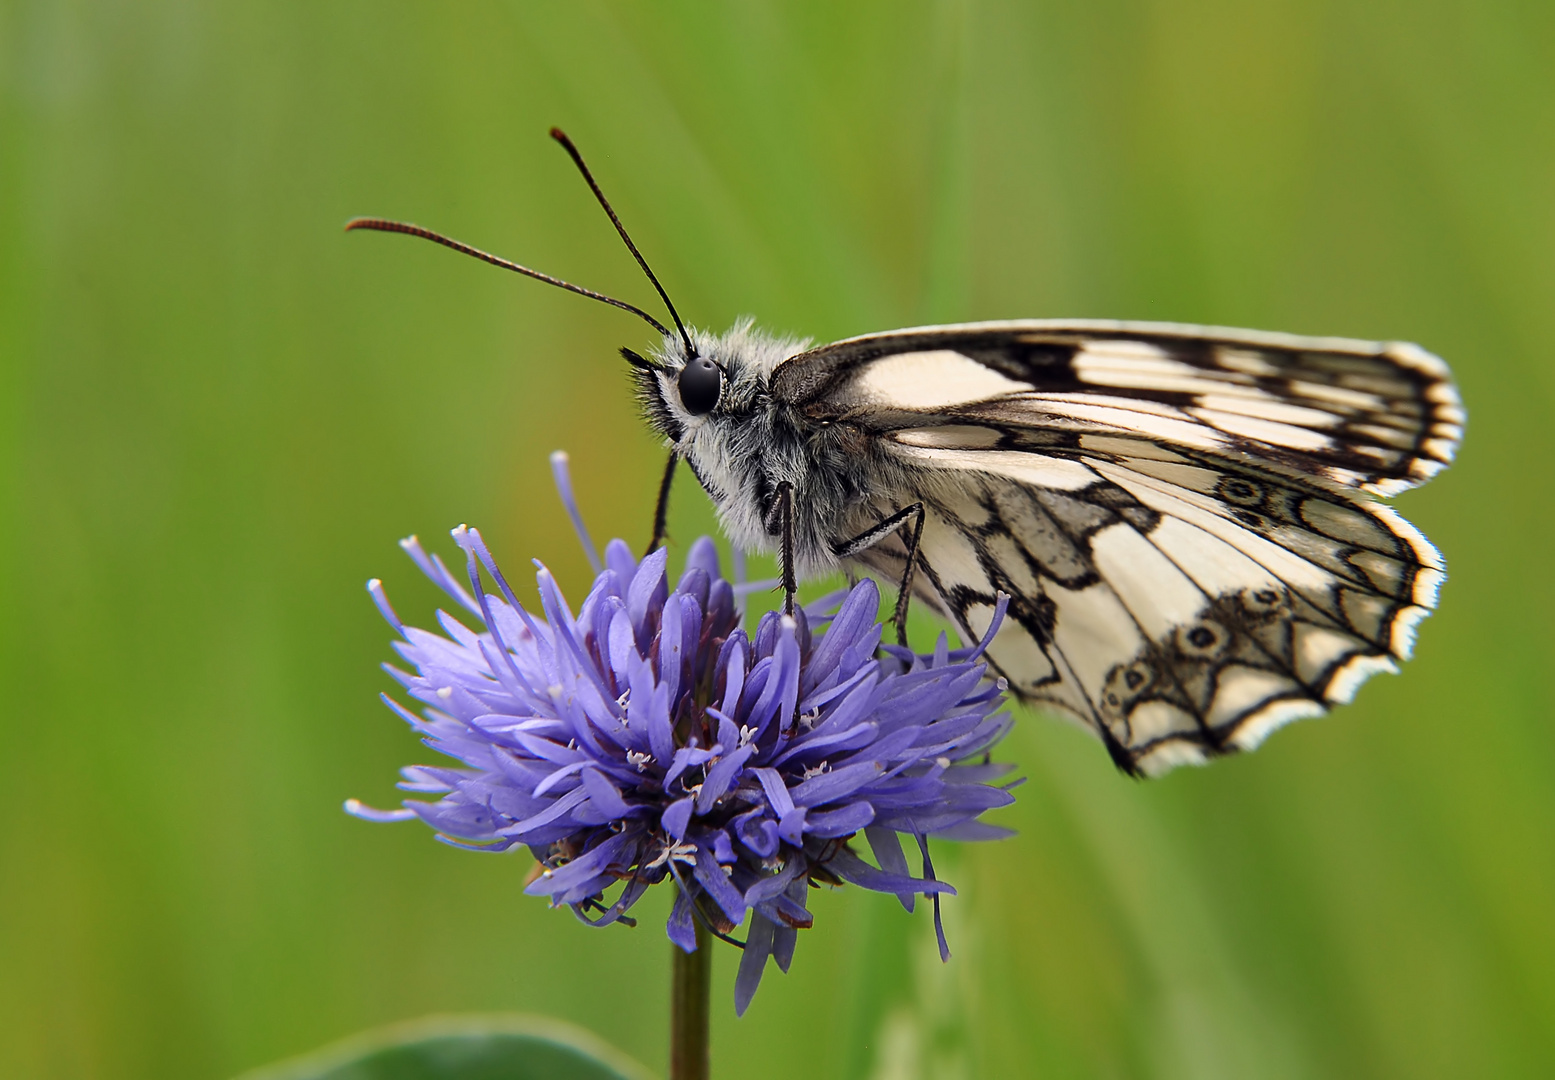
1185, 520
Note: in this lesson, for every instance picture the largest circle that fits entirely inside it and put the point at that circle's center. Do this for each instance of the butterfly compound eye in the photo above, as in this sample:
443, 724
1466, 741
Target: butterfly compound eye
701, 383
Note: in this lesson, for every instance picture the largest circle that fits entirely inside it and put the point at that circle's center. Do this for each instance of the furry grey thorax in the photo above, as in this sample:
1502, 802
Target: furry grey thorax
752, 442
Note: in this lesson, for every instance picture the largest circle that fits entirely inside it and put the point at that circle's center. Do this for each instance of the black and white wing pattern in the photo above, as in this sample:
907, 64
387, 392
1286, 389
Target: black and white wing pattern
1183, 516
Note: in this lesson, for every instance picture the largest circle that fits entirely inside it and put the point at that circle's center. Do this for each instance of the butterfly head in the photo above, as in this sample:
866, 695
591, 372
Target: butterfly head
723, 377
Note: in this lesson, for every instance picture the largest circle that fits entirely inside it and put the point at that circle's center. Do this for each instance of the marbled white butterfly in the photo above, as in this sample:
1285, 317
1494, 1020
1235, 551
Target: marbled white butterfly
1184, 517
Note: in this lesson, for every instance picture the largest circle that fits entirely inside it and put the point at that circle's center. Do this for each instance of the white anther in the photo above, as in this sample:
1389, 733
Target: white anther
816, 770
680, 852
445, 692
942, 762
641, 760
747, 733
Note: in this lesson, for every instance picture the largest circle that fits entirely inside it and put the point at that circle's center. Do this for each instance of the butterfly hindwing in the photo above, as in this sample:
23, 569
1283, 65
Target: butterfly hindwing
1150, 612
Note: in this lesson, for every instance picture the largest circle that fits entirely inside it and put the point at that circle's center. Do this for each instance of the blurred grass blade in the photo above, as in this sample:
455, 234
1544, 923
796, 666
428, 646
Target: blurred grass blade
482, 1047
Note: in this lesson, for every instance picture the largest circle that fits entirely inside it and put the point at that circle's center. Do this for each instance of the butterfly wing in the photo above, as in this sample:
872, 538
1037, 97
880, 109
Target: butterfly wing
1380, 417
1180, 515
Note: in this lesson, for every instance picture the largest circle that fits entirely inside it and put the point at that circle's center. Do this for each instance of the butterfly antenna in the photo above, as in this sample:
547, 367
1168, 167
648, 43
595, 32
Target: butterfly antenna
577, 159
382, 225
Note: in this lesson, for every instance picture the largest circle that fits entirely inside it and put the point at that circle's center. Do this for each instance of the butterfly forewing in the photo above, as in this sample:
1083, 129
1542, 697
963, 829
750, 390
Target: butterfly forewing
1378, 416
1174, 511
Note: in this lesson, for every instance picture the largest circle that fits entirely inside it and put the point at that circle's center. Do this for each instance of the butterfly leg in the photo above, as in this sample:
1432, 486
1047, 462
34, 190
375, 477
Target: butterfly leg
876, 533
661, 508
785, 498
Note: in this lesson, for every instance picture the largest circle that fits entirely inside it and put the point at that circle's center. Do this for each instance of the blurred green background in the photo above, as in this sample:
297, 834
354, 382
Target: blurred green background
218, 413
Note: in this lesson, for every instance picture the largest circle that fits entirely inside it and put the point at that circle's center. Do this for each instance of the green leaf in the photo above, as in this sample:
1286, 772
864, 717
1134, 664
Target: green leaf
483, 1047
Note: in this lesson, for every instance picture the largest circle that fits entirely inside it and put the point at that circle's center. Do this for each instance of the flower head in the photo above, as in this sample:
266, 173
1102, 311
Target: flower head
649, 737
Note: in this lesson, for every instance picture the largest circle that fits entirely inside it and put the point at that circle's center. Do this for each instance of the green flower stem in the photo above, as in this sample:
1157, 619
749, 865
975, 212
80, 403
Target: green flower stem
691, 985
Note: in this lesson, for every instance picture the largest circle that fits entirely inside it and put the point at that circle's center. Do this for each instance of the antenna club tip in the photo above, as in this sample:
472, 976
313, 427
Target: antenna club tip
559, 135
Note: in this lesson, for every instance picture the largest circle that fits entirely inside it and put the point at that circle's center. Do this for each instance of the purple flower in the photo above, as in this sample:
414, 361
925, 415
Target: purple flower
650, 737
